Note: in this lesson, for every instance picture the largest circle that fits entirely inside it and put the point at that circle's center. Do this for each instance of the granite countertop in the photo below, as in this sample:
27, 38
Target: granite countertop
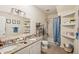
17, 47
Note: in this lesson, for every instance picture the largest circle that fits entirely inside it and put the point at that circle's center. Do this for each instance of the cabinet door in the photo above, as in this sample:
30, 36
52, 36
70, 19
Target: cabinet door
23, 51
78, 46
75, 46
2, 25
35, 48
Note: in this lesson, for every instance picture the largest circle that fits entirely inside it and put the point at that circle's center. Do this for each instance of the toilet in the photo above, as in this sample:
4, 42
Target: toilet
45, 44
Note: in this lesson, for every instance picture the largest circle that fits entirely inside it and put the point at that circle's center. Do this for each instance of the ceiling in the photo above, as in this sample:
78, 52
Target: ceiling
48, 9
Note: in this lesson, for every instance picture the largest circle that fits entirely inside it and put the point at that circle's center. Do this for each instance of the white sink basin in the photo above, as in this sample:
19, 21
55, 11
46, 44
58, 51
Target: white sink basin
33, 39
7, 49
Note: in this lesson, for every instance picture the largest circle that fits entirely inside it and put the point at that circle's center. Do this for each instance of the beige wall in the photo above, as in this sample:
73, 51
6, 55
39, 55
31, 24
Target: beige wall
50, 26
33, 13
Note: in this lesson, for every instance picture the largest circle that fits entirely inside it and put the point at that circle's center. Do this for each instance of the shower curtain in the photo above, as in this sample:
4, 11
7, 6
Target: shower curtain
57, 30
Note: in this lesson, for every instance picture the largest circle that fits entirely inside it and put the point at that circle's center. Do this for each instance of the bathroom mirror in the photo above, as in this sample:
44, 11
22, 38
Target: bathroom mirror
15, 29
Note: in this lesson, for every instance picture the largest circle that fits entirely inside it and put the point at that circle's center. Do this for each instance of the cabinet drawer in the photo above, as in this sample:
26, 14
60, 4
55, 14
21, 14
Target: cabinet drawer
23, 51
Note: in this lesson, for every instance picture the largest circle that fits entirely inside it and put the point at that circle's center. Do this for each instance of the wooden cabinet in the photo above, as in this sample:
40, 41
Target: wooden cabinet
76, 46
23, 51
35, 48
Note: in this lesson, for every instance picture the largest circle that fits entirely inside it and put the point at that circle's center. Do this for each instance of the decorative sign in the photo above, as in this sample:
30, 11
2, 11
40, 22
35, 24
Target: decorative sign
18, 21
8, 21
13, 21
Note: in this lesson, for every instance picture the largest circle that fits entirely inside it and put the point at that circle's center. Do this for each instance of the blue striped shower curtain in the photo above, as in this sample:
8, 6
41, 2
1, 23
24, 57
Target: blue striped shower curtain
57, 30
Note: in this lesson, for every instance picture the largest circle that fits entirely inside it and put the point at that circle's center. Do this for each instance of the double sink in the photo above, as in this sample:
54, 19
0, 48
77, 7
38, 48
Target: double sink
12, 47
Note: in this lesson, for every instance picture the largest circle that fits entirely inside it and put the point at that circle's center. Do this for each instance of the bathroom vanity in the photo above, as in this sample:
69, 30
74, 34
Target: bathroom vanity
31, 48
28, 46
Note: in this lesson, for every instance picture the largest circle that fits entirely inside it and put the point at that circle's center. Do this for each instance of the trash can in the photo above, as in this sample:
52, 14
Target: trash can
45, 44
68, 48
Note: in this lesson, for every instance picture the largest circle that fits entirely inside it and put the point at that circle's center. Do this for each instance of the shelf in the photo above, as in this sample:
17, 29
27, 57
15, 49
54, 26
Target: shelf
69, 24
27, 31
70, 14
28, 20
27, 25
69, 37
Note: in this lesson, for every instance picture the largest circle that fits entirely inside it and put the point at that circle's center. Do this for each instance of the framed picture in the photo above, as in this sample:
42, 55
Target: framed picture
13, 21
18, 21
8, 21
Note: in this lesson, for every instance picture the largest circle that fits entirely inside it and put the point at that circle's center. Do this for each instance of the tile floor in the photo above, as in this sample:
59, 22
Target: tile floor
54, 50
